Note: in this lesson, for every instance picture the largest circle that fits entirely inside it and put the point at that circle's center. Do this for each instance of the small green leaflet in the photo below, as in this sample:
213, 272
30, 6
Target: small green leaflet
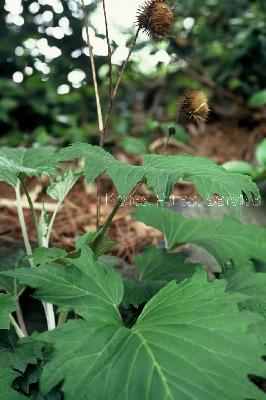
7, 305
162, 172
62, 185
85, 286
227, 240
193, 329
31, 162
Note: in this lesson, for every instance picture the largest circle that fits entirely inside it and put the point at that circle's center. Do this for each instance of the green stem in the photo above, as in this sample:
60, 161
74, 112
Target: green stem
106, 225
16, 327
62, 318
50, 227
22, 221
33, 213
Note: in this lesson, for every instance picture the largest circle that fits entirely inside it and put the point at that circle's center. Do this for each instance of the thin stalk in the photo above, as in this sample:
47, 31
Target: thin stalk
98, 102
107, 224
51, 223
120, 77
62, 318
109, 51
22, 221
33, 213
93, 69
20, 319
171, 131
112, 98
13, 322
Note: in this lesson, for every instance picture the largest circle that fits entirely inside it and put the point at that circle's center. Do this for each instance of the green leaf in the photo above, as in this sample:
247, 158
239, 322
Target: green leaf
156, 268
31, 162
241, 167
159, 265
18, 354
208, 177
227, 240
11, 258
60, 188
258, 99
134, 145
85, 286
162, 172
187, 344
7, 376
261, 153
253, 285
139, 292
7, 305
44, 255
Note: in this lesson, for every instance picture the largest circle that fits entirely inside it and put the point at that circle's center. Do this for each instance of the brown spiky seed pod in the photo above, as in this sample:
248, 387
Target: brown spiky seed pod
156, 18
193, 105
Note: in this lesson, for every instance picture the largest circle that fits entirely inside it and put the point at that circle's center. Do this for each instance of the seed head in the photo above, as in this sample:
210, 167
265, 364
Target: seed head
193, 105
156, 18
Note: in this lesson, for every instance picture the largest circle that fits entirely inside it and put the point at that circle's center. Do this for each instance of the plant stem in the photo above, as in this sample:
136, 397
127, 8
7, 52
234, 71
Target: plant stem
106, 225
93, 69
120, 77
98, 103
13, 322
62, 318
33, 213
22, 221
112, 98
20, 319
109, 51
51, 223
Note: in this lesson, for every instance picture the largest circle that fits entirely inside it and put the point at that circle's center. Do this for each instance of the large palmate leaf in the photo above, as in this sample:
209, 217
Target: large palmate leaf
227, 240
7, 305
31, 162
162, 172
187, 344
85, 286
252, 284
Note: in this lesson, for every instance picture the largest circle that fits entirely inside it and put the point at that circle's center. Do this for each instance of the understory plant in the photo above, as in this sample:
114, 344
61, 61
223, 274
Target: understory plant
170, 333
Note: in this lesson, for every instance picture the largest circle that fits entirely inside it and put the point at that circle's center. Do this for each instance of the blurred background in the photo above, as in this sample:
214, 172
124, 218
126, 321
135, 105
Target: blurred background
46, 93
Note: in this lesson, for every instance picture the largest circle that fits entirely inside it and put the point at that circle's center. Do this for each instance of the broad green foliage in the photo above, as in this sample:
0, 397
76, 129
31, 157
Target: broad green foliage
193, 329
7, 305
227, 240
85, 286
162, 172
30, 162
